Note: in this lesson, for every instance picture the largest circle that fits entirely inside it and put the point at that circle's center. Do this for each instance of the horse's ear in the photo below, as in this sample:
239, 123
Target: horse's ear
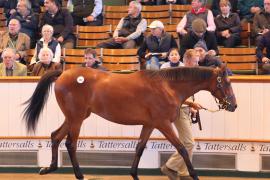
223, 67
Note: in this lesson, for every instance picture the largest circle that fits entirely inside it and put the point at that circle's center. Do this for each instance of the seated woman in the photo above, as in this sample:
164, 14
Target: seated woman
47, 40
45, 62
228, 26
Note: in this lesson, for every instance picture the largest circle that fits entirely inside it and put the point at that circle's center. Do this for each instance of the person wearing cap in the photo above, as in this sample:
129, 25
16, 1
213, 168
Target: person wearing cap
129, 31
199, 33
228, 26
198, 10
157, 44
175, 167
91, 60
205, 59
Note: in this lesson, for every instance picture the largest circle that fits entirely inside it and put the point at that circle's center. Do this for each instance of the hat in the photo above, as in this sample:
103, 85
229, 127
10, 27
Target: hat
201, 44
156, 24
198, 25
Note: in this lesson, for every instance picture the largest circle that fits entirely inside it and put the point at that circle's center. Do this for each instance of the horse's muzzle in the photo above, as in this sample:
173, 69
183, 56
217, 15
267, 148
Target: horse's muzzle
231, 107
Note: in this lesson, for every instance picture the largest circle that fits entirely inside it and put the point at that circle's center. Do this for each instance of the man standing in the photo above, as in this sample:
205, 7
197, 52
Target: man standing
175, 167
10, 67
129, 30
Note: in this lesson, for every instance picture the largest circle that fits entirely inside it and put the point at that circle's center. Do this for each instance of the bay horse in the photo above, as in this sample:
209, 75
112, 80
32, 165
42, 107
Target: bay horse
148, 98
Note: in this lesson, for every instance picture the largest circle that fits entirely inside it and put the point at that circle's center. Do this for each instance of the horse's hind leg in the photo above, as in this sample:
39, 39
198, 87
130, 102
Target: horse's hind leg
145, 134
71, 144
56, 137
168, 132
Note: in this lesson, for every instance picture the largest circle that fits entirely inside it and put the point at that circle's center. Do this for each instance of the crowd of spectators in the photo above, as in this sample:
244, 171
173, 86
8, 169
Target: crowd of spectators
216, 25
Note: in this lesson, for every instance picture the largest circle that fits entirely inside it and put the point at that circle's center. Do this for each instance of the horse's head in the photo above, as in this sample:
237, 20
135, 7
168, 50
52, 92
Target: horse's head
222, 90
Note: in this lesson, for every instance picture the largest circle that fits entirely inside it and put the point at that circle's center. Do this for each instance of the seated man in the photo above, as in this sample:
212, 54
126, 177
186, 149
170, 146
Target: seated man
264, 59
28, 19
205, 59
91, 60
87, 12
9, 66
216, 8
248, 8
199, 33
61, 21
157, 44
16, 40
261, 22
129, 30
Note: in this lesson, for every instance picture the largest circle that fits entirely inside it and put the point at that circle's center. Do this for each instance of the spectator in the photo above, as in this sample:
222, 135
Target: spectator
175, 167
47, 40
158, 43
61, 21
10, 7
264, 59
174, 59
16, 40
129, 30
261, 22
205, 59
248, 8
198, 11
216, 8
45, 63
87, 12
228, 26
9, 66
199, 33
91, 60
28, 20
177, 2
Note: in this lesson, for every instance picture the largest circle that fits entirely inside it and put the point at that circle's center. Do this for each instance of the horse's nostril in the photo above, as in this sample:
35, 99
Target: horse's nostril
235, 106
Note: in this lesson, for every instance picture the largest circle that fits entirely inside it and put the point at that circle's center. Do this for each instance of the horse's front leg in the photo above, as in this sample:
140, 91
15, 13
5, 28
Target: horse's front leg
145, 134
56, 137
168, 132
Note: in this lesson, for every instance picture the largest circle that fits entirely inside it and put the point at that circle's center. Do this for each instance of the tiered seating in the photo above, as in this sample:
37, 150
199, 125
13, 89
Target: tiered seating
113, 14
240, 60
120, 60
90, 36
161, 13
178, 12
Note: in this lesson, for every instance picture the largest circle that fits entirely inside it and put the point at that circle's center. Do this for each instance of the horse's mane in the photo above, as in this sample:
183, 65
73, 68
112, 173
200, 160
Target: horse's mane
181, 73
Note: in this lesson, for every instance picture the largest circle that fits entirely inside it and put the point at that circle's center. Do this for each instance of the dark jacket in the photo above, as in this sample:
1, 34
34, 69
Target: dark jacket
245, 5
232, 23
151, 44
29, 24
260, 21
62, 23
216, 10
189, 40
12, 4
263, 43
213, 61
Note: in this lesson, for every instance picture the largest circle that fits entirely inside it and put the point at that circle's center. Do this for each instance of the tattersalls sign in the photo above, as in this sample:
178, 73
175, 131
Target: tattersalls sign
130, 145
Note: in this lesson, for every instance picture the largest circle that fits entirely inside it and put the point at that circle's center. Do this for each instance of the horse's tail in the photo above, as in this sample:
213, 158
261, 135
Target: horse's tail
36, 102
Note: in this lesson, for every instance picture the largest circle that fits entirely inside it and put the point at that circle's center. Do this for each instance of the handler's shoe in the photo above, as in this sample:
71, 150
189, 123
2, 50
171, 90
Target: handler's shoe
169, 172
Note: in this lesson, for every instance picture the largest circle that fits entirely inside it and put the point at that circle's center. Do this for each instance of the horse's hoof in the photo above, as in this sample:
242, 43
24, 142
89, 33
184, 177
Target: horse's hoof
46, 170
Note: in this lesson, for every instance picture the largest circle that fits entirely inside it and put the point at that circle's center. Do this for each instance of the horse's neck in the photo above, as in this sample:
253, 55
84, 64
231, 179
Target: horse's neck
185, 89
